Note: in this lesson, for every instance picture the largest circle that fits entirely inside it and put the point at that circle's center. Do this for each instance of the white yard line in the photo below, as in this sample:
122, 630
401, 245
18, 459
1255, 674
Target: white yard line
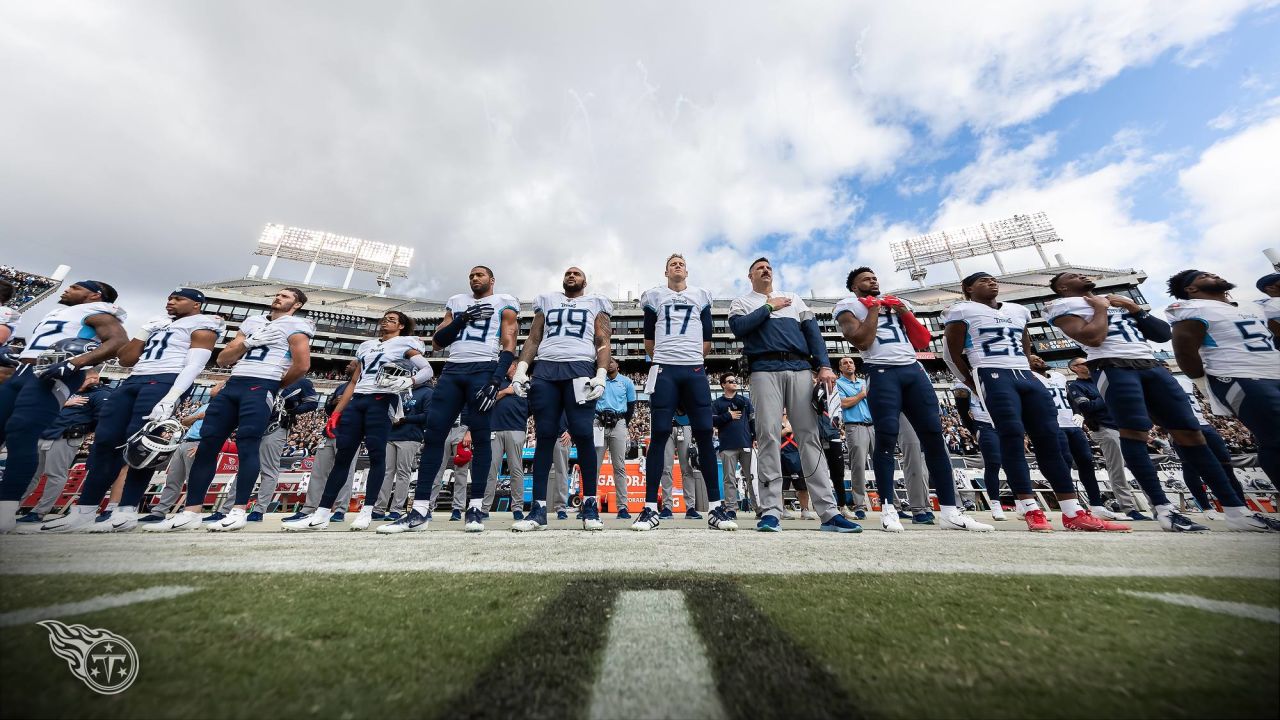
102, 602
1244, 610
654, 665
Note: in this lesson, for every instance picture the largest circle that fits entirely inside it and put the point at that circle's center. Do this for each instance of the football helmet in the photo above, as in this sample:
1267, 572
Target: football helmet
153, 444
819, 398
396, 376
64, 350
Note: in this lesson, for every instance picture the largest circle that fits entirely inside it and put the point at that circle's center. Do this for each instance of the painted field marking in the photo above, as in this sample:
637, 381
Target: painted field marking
1244, 610
102, 602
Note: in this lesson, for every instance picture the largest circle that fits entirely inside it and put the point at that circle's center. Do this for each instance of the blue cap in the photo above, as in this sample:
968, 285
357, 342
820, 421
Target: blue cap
188, 293
1266, 280
974, 278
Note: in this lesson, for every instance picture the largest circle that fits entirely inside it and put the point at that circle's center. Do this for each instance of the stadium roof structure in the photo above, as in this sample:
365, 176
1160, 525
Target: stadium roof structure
1021, 285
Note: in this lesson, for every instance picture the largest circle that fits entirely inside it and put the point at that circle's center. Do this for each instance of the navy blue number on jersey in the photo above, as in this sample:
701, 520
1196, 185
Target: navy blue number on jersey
1125, 327
1255, 341
258, 354
156, 345
887, 323
55, 327
570, 321
477, 330
370, 366
684, 323
998, 333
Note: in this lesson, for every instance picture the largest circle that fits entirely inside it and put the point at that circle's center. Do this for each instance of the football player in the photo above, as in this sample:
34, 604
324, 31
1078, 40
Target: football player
887, 333
569, 342
1137, 388
31, 398
166, 359
1230, 354
365, 412
988, 345
677, 336
479, 328
1269, 285
9, 317
269, 352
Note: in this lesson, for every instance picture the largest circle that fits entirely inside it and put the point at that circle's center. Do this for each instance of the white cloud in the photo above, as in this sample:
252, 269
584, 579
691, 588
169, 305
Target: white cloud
149, 143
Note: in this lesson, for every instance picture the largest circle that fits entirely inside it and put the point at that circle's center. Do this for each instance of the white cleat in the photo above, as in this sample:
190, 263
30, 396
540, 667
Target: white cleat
849, 514
789, 514
997, 513
305, 524
960, 521
808, 515
889, 521
234, 520
121, 520
1212, 515
79, 519
1099, 511
185, 520
363, 518
1256, 522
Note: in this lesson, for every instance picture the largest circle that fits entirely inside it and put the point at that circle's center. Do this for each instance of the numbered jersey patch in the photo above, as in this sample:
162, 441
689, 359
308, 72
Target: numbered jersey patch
270, 361
165, 351
1237, 341
569, 329
993, 336
482, 339
678, 333
1056, 384
67, 322
373, 353
1123, 339
891, 346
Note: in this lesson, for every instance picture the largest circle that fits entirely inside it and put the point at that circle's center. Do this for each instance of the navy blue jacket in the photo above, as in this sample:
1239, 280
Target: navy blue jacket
299, 398
510, 413
734, 434
761, 334
414, 425
1087, 400
86, 414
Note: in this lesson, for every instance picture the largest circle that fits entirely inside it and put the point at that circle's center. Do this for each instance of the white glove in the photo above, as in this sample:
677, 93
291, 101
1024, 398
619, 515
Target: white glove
152, 326
520, 380
398, 384
595, 386
264, 336
162, 411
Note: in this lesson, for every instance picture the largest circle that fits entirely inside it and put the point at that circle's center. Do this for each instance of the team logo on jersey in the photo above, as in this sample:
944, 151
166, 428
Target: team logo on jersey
102, 660
995, 375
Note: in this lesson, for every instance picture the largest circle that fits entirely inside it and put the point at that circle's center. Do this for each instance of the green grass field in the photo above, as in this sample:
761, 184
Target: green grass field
413, 644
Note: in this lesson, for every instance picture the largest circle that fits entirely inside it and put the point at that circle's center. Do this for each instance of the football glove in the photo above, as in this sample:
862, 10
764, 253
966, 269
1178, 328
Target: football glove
162, 411
869, 301
478, 311
264, 336
520, 380
893, 302
487, 396
595, 387
331, 427
59, 371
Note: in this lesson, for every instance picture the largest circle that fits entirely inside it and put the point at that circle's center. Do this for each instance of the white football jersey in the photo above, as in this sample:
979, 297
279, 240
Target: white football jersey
976, 408
270, 361
373, 353
891, 346
9, 318
1123, 339
1237, 342
481, 341
569, 326
1057, 386
1270, 307
993, 336
677, 339
165, 351
1196, 408
68, 321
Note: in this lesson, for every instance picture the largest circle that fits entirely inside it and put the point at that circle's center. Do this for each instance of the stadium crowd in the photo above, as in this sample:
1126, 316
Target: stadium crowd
27, 287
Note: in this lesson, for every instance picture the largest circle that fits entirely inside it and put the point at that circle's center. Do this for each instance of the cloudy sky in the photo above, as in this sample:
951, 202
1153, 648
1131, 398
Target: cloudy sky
147, 143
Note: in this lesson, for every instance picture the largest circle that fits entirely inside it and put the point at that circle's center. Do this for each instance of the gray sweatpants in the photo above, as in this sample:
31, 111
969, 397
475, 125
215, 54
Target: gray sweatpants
400, 456
461, 475
858, 441
1109, 442
320, 469
269, 458
695, 488
789, 389
558, 479
56, 459
615, 440
175, 477
913, 466
732, 461
509, 443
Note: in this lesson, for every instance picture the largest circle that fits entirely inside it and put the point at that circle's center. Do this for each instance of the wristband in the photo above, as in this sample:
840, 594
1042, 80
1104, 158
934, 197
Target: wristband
769, 306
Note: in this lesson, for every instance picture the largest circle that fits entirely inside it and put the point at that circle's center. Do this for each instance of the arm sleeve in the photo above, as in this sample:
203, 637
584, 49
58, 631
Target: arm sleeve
424, 369
743, 325
650, 324
196, 359
707, 326
1155, 329
817, 346
447, 334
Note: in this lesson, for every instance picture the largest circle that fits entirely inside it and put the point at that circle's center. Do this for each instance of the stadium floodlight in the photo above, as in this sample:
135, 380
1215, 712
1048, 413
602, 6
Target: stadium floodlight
989, 238
324, 248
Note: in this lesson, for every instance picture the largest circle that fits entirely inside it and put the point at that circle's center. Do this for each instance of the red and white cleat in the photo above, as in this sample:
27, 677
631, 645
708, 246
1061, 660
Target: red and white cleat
1037, 522
1086, 522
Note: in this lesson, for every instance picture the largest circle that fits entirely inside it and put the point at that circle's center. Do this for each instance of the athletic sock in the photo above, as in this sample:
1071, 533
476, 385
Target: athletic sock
1070, 508
475, 504
236, 511
323, 513
1163, 510
1026, 506
651, 506
366, 511
1097, 509
1237, 511
111, 507
422, 507
949, 511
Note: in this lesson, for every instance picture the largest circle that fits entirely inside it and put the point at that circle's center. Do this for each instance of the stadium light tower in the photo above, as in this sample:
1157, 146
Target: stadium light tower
324, 248
988, 238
